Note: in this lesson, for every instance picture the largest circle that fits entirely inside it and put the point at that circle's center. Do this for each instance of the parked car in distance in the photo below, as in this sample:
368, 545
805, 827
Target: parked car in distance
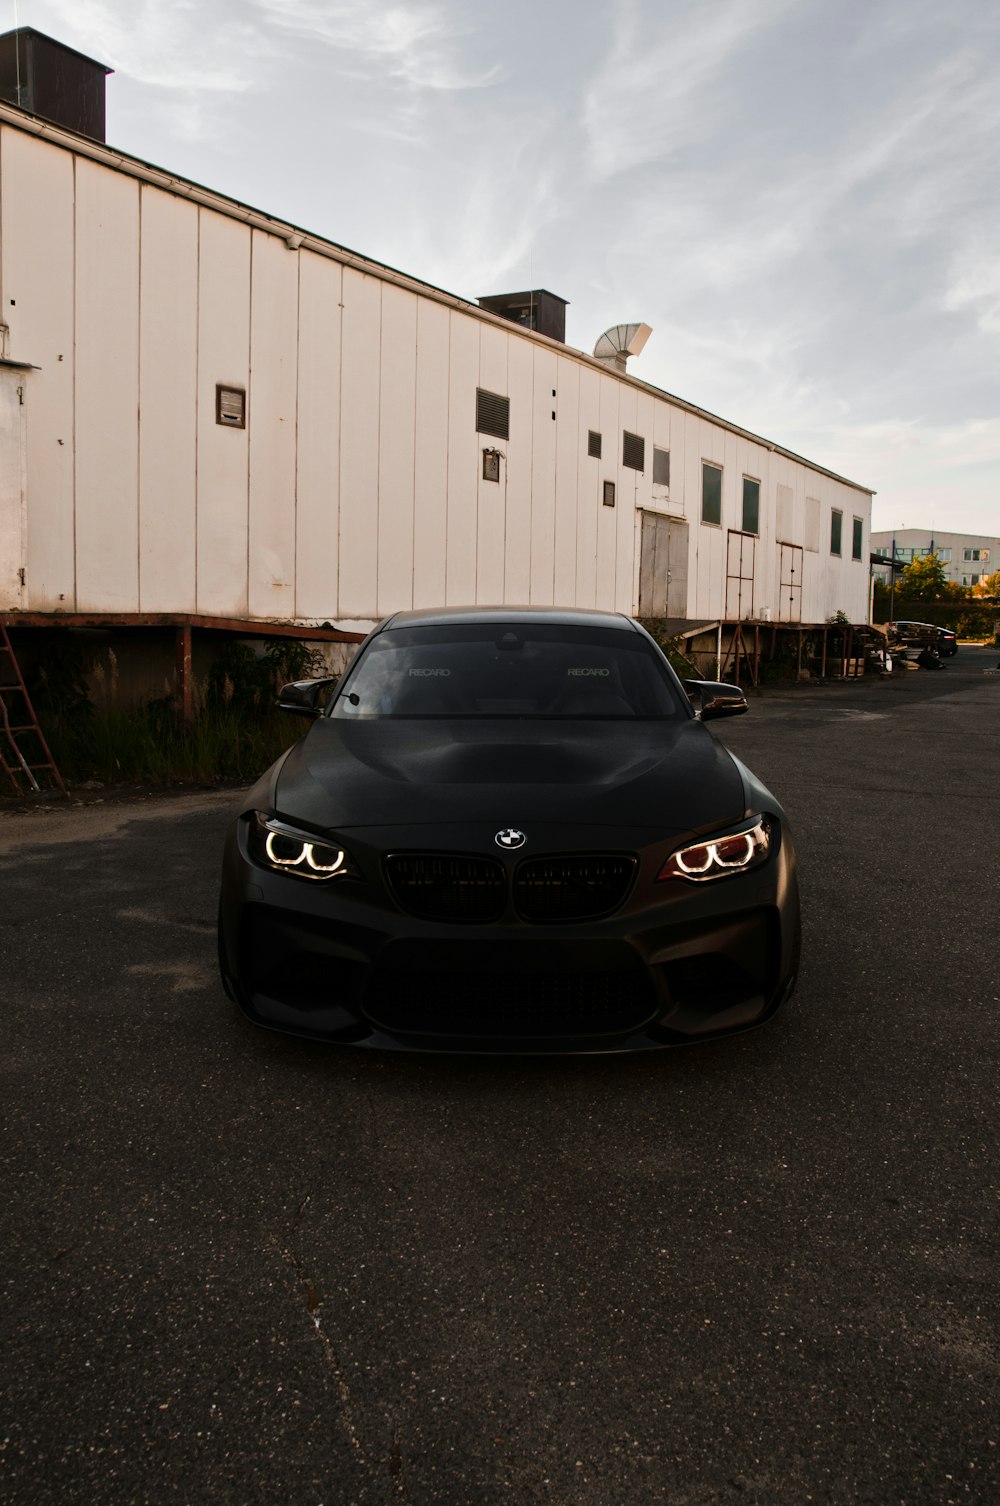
923, 635
509, 830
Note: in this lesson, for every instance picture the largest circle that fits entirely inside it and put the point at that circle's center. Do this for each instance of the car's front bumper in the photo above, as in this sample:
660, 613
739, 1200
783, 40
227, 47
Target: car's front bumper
342, 962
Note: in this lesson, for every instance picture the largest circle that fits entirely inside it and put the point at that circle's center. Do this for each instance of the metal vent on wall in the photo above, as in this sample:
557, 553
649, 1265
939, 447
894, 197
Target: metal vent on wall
594, 444
231, 407
492, 414
633, 451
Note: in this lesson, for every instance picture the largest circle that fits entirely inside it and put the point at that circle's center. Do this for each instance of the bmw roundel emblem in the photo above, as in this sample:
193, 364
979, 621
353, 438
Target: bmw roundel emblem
510, 838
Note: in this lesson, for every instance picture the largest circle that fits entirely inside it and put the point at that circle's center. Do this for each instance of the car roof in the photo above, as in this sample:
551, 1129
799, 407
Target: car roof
909, 622
567, 616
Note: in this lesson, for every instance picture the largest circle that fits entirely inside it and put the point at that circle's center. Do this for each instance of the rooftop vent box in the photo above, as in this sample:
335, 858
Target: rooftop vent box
40, 75
539, 310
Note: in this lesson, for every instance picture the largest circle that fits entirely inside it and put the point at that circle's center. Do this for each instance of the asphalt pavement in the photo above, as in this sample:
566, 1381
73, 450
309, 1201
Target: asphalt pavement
239, 1268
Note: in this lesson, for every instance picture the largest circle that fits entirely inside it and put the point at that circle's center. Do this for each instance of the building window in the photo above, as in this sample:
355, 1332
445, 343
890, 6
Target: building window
971, 580
971, 554
751, 505
609, 494
857, 538
633, 451
984, 555
836, 531
661, 467
711, 493
594, 444
944, 555
231, 406
492, 414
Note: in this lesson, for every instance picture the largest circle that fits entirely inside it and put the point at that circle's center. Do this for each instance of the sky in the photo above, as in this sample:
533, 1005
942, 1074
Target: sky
801, 198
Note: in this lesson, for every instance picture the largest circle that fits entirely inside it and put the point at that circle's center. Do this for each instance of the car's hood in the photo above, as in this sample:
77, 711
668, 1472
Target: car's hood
386, 773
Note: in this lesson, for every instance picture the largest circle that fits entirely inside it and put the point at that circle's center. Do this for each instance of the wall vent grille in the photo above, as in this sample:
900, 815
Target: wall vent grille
633, 451
492, 414
594, 444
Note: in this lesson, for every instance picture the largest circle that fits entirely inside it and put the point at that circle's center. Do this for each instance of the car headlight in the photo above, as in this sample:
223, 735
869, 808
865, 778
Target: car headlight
721, 857
301, 854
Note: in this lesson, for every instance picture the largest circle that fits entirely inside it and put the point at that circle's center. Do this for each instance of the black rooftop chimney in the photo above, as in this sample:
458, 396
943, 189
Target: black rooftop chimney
539, 310
42, 76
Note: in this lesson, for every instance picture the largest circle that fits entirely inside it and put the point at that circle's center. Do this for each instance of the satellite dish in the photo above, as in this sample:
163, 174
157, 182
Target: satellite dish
621, 341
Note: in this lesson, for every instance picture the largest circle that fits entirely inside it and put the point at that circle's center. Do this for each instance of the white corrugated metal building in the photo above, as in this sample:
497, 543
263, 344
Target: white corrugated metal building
208, 413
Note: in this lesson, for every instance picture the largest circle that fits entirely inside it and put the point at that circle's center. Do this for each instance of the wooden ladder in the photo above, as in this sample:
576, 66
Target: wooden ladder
24, 753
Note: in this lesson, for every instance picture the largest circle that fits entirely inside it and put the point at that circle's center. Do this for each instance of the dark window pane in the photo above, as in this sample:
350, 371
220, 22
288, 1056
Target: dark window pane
711, 493
836, 531
661, 467
858, 538
751, 505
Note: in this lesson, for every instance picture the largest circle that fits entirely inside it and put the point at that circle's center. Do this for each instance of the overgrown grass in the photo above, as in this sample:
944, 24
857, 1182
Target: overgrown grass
153, 746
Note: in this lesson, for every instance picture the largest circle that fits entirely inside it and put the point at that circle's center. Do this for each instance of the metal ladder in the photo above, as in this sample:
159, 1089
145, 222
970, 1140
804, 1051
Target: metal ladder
21, 738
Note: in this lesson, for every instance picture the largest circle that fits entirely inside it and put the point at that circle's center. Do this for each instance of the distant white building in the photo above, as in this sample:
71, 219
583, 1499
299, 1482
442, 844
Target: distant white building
208, 415
967, 557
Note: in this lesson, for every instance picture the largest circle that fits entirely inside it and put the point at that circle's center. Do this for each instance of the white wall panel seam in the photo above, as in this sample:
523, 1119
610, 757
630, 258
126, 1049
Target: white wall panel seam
197, 401
413, 468
76, 552
138, 408
295, 458
340, 439
249, 418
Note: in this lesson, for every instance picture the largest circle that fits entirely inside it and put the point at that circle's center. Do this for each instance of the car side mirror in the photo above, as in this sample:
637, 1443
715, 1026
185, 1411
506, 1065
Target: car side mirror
304, 697
716, 698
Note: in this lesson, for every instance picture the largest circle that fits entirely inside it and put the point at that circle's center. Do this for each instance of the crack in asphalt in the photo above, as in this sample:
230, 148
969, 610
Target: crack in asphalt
313, 1301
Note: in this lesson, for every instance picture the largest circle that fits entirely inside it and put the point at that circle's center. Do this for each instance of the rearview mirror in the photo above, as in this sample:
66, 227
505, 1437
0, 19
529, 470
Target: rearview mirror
716, 698
304, 697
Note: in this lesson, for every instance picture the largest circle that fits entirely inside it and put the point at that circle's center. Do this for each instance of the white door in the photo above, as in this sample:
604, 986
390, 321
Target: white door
790, 583
663, 562
741, 556
12, 489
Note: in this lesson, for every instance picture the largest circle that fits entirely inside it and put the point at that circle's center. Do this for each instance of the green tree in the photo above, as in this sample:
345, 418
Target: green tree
989, 585
923, 580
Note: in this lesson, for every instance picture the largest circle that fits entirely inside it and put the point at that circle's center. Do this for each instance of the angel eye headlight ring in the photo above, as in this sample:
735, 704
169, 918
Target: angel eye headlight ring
277, 845
722, 856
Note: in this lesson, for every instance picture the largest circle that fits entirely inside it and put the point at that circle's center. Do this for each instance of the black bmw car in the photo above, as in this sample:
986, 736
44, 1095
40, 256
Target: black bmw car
509, 830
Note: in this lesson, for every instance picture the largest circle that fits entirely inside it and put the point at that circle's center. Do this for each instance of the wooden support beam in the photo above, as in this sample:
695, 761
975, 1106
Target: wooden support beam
185, 701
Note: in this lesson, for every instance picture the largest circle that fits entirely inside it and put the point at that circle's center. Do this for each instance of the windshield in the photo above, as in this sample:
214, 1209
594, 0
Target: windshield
550, 670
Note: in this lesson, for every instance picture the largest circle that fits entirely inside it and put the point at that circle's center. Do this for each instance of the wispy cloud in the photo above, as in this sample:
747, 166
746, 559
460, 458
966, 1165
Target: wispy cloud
161, 45
975, 285
417, 43
657, 89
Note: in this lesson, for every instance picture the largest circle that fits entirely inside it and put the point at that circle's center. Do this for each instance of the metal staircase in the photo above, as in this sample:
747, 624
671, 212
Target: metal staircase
24, 753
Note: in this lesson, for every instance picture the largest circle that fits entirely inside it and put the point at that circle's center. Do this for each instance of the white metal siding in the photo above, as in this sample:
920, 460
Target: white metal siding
359, 445
274, 322
464, 447
36, 233
317, 487
357, 486
223, 356
430, 466
107, 389
12, 494
168, 372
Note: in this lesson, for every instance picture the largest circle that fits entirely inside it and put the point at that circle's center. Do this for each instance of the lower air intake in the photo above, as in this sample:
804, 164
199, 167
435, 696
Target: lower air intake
521, 1005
